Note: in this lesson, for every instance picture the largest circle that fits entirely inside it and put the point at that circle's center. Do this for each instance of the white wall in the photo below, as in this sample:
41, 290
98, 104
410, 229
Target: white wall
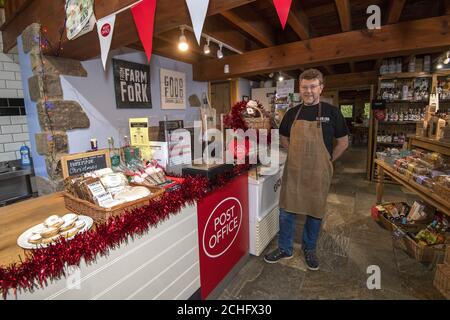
97, 97
13, 123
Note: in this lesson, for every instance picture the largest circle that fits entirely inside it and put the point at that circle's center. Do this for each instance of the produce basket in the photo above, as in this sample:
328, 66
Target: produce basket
421, 253
100, 214
442, 280
442, 191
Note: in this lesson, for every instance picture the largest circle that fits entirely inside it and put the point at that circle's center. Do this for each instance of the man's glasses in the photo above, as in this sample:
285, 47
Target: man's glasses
312, 87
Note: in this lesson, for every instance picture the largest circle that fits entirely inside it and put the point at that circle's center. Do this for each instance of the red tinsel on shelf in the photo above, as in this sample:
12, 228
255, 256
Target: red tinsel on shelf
48, 264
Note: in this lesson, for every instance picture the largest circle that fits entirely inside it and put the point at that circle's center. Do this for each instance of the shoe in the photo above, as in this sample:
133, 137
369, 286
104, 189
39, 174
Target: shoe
311, 259
276, 256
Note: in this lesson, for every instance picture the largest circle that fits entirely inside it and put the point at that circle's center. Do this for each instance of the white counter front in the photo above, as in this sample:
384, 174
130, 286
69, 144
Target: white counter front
164, 264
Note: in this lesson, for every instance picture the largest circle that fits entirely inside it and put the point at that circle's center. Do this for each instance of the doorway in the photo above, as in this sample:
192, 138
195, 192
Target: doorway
221, 97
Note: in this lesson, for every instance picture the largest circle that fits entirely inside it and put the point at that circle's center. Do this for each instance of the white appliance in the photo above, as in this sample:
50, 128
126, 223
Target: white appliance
264, 194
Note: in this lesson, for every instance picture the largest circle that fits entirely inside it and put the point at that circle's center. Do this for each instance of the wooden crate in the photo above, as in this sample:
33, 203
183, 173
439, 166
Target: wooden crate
442, 280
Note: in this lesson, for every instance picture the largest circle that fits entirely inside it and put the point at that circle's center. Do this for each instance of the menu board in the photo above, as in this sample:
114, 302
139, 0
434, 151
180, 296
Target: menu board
81, 163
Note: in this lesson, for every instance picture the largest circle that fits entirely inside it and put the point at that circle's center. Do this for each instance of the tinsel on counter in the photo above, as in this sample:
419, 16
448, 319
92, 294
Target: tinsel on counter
44, 265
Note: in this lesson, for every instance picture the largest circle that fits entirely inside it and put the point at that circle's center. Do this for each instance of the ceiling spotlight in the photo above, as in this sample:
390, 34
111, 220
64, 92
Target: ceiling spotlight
271, 75
182, 43
280, 77
219, 52
447, 59
206, 49
439, 66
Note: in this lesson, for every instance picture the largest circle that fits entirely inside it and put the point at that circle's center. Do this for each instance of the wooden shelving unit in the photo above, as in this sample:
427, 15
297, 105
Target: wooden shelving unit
430, 144
424, 193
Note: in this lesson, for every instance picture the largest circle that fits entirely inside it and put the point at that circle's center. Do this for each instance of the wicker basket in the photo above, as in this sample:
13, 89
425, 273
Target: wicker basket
447, 256
442, 280
442, 191
430, 254
259, 122
100, 214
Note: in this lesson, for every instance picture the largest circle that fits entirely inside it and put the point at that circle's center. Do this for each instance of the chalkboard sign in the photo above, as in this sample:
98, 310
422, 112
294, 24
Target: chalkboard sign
81, 163
132, 84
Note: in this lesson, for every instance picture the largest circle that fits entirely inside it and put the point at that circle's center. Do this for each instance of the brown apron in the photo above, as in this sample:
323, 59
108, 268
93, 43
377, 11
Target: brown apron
308, 170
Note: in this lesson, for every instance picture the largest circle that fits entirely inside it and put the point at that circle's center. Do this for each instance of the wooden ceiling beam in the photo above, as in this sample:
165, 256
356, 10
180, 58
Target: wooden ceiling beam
299, 22
352, 67
412, 37
345, 17
50, 13
253, 25
395, 11
217, 27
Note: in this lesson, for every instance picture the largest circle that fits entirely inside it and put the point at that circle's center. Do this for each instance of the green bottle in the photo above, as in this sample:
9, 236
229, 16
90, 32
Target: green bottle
114, 155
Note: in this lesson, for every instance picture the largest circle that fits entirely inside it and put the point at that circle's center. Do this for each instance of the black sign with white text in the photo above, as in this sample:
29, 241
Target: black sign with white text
132, 84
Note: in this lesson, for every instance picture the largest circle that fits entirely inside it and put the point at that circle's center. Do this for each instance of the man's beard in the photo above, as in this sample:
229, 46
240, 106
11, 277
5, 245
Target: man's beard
314, 102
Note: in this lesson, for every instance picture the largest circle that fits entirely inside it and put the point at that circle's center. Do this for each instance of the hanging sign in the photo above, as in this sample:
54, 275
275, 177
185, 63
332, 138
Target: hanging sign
132, 84
80, 18
173, 89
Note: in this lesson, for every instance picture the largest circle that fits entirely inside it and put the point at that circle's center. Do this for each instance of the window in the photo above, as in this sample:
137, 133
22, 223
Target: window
347, 110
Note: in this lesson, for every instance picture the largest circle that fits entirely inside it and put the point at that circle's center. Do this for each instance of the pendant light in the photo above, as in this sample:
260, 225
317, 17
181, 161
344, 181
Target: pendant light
447, 59
182, 43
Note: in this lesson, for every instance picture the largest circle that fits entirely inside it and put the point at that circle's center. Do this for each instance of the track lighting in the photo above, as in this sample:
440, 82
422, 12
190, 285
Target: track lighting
182, 43
447, 59
219, 52
280, 77
206, 49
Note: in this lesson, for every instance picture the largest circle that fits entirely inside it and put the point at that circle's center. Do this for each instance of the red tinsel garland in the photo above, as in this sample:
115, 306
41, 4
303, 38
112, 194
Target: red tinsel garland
47, 264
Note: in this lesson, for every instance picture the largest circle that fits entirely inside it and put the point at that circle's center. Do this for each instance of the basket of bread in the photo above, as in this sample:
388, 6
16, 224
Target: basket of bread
106, 193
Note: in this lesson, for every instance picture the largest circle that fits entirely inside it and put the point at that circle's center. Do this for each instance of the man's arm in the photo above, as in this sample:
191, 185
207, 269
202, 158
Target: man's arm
341, 146
284, 141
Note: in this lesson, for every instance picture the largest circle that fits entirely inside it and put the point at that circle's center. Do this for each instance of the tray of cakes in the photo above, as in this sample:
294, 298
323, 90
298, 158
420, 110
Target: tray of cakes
53, 229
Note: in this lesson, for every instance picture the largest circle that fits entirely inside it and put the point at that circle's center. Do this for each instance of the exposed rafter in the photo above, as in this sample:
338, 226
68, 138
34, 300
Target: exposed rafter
252, 25
345, 17
299, 22
395, 10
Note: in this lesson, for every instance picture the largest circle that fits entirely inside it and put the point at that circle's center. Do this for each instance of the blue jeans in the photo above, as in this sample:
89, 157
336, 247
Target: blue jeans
311, 232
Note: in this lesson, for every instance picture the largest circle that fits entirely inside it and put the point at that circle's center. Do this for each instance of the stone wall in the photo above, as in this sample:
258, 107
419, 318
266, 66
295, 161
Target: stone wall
56, 116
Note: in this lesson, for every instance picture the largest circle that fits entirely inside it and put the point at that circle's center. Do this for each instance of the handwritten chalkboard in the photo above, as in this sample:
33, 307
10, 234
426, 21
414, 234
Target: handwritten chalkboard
81, 163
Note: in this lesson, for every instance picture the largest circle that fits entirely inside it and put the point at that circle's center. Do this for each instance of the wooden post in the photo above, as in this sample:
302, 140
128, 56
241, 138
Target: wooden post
380, 184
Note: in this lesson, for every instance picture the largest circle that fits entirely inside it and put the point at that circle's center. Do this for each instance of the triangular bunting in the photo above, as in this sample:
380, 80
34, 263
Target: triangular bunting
144, 18
283, 7
105, 29
197, 10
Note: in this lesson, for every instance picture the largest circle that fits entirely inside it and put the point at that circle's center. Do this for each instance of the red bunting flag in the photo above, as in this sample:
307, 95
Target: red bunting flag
144, 18
283, 7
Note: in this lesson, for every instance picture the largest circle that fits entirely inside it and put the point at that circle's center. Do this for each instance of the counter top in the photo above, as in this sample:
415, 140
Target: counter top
16, 218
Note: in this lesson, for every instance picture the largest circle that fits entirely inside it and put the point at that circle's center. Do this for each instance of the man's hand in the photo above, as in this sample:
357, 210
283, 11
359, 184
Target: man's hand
341, 146
284, 141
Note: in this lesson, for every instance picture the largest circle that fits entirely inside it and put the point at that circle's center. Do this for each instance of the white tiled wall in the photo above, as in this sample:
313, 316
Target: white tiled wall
13, 129
13, 135
10, 80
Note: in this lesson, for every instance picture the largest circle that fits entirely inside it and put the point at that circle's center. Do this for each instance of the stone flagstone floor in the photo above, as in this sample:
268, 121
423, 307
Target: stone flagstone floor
350, 241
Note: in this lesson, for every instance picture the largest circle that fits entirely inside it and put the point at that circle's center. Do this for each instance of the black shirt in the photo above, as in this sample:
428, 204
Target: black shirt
333, 122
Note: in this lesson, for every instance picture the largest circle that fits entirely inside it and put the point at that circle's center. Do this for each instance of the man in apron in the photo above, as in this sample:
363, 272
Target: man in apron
307, 131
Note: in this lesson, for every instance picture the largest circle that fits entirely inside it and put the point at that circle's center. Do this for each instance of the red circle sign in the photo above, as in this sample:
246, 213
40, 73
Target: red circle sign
106, 30
222, 227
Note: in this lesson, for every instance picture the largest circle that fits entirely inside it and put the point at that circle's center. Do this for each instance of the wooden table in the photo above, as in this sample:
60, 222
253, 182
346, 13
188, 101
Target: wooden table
17, 218
424, 193
430, 144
